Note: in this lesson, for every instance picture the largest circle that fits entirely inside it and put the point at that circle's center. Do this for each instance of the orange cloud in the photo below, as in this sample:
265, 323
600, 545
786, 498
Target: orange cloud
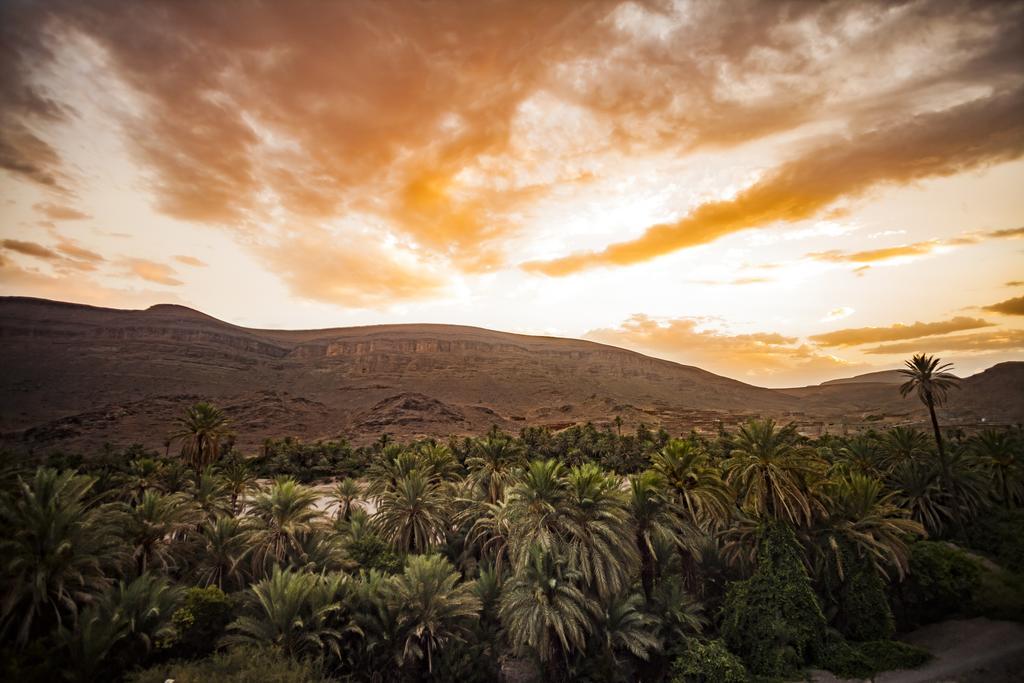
30, 249
190, 261
1014, 306
59, 212
916, 249
764, 357
978, 133
868, 335
152, 271
1005, 340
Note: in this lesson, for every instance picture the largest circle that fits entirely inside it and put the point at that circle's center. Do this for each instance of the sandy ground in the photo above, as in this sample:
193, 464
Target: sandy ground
966, 651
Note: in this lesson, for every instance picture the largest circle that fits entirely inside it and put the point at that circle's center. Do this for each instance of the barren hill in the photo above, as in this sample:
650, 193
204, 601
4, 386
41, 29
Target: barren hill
78, 376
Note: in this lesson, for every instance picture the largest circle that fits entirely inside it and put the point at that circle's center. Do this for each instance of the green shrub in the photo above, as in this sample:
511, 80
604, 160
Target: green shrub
201, 621
242, 665
865, 660
863, 605
773, 619
372, 552
1001, 536
707, 662
941, 582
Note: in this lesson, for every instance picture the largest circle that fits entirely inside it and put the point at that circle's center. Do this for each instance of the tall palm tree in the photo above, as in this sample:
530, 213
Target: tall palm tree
238, 480
998, 450
434, 608
413, 516
294, 611
930, 378
346, 494
654, 517
223, 544
536, 503
772, 472
201, 430
153, 527
545, 612
54, 551
493, 466
695, 484
599, 531
284, 515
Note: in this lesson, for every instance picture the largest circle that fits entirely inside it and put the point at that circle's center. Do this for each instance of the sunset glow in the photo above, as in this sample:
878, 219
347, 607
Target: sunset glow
783, 193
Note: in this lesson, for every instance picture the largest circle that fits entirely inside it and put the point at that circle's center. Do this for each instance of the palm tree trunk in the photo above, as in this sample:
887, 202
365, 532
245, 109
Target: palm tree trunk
947, 475
646, 566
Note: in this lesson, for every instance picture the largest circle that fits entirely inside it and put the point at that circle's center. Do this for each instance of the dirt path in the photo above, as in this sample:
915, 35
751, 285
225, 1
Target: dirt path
966, 651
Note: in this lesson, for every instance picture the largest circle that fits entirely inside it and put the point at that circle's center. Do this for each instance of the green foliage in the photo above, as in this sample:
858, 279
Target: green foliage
201, 621
865, 660
370, 551
942, 581
773, 619
863, 605
708, 662
240, 665
1001, 535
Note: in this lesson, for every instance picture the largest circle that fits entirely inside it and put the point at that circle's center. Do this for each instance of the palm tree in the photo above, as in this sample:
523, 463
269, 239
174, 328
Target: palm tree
904, 443
284, 515
413, 515
536, 503
434, 608
238, 479
201, 430
544, 612
346, 494
599, 531
54, 550
210, 494
152, 528
931, 379
223, 544
654, 518
998, 450
625, 627
862, 515
493, 466
915, 484
862, 454
696, 486
294, 611
772, 473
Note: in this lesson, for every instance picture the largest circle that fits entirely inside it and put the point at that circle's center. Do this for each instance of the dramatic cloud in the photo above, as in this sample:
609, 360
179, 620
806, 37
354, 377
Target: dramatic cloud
30, 249
1005, 340
1014, 306
911, 250
152, 271
980, 132
768, 357
869, 335
190, 261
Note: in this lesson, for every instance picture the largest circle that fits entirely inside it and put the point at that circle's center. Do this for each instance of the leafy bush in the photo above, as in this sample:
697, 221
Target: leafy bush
773, 619
201, 621
372, 552
942, 581
865, 660
242, 665
1001, 535
864, 612
708, 662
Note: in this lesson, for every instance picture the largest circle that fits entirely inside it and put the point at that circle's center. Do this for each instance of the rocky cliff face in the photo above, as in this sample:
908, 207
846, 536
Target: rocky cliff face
78, 376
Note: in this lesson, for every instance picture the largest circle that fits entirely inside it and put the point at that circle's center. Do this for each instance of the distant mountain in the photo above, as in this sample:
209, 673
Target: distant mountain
79, 376
881, 377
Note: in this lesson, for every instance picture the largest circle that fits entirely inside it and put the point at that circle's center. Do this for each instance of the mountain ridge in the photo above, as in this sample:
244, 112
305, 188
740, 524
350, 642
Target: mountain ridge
79, 376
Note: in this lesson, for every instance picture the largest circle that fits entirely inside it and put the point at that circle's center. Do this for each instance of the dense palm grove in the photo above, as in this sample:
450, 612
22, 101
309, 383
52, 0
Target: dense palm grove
578, 555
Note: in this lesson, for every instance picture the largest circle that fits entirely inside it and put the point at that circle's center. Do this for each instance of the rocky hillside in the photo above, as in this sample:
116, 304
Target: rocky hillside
78, 376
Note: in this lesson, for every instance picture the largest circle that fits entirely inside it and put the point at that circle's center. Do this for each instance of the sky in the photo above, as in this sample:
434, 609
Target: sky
783, 193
